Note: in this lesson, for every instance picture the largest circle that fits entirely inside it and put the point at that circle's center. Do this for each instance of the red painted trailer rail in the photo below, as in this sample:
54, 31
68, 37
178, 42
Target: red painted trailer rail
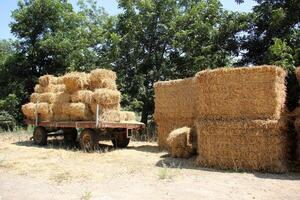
88, 124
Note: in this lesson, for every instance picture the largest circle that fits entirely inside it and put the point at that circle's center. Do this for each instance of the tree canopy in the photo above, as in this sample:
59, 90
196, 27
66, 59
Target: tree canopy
150, 40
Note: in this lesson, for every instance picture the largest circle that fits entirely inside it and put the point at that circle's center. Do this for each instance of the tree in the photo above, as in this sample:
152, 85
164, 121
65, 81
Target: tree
161, 40
271, 19
51, 38
272, 37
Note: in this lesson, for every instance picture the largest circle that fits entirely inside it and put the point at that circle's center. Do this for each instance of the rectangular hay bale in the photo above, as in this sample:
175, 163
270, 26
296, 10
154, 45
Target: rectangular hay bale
259, 145
241, 93
175, 98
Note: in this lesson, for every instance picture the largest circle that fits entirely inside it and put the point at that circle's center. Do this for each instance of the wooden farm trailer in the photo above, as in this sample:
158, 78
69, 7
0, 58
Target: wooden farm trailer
91, 132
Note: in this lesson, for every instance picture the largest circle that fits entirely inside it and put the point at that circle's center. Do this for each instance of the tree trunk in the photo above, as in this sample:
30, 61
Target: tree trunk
145, 113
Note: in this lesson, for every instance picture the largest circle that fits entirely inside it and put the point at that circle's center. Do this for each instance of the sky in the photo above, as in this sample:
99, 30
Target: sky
111, 6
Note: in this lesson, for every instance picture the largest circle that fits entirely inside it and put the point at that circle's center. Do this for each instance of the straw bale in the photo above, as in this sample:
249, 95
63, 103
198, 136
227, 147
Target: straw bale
55, 88
38, 88
260, 145
103, 108
45, 80
106, 97
297, 71
50, 97
41, 97
180, 143
43, 110
127, 116
241, 93
76, 81
83, 96
166, 124
110, 116
297, 126
175, 98
103, 78
58, 114
77, 111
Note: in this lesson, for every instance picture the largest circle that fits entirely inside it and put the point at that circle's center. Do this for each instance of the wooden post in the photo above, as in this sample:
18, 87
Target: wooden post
36, 114
97, 116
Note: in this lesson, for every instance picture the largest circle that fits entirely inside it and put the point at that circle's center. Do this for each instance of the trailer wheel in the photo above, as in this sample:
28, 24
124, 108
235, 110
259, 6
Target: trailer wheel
88, 140
121, 140
70, 136
40, 136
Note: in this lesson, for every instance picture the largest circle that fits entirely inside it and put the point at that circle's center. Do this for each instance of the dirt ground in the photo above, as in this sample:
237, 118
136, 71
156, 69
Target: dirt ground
140, 171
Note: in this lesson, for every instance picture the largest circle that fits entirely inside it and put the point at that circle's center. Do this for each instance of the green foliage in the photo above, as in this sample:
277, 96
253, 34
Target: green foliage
148, 41
7, 121
161, 40
280, 54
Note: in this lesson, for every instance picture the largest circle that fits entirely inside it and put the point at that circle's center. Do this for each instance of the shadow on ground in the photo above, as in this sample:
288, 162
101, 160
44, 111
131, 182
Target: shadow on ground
59, 144
168, 162
165, 160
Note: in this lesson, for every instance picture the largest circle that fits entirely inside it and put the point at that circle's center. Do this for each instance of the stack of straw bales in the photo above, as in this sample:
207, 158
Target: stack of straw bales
75, 96
180, 142
239, 118
296, 114
237, 112
174, 106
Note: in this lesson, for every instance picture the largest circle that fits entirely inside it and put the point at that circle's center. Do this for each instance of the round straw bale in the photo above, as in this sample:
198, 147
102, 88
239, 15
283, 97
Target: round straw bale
83, 96
60, 97
127, 116
103, 78
106, 96
77, 111
76, 81
110, 116
55, 88
102, 74
42, 109
298, 73
38, 88
45, 80
103, 108
180, 143
41, 97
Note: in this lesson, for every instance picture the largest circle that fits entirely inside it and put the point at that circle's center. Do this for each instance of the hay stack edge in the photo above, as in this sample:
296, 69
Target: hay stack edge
238, 115
75, 96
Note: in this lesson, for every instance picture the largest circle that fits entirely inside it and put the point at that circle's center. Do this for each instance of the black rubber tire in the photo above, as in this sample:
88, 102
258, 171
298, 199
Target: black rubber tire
88, 140
70, 136
120, 140
40, 136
